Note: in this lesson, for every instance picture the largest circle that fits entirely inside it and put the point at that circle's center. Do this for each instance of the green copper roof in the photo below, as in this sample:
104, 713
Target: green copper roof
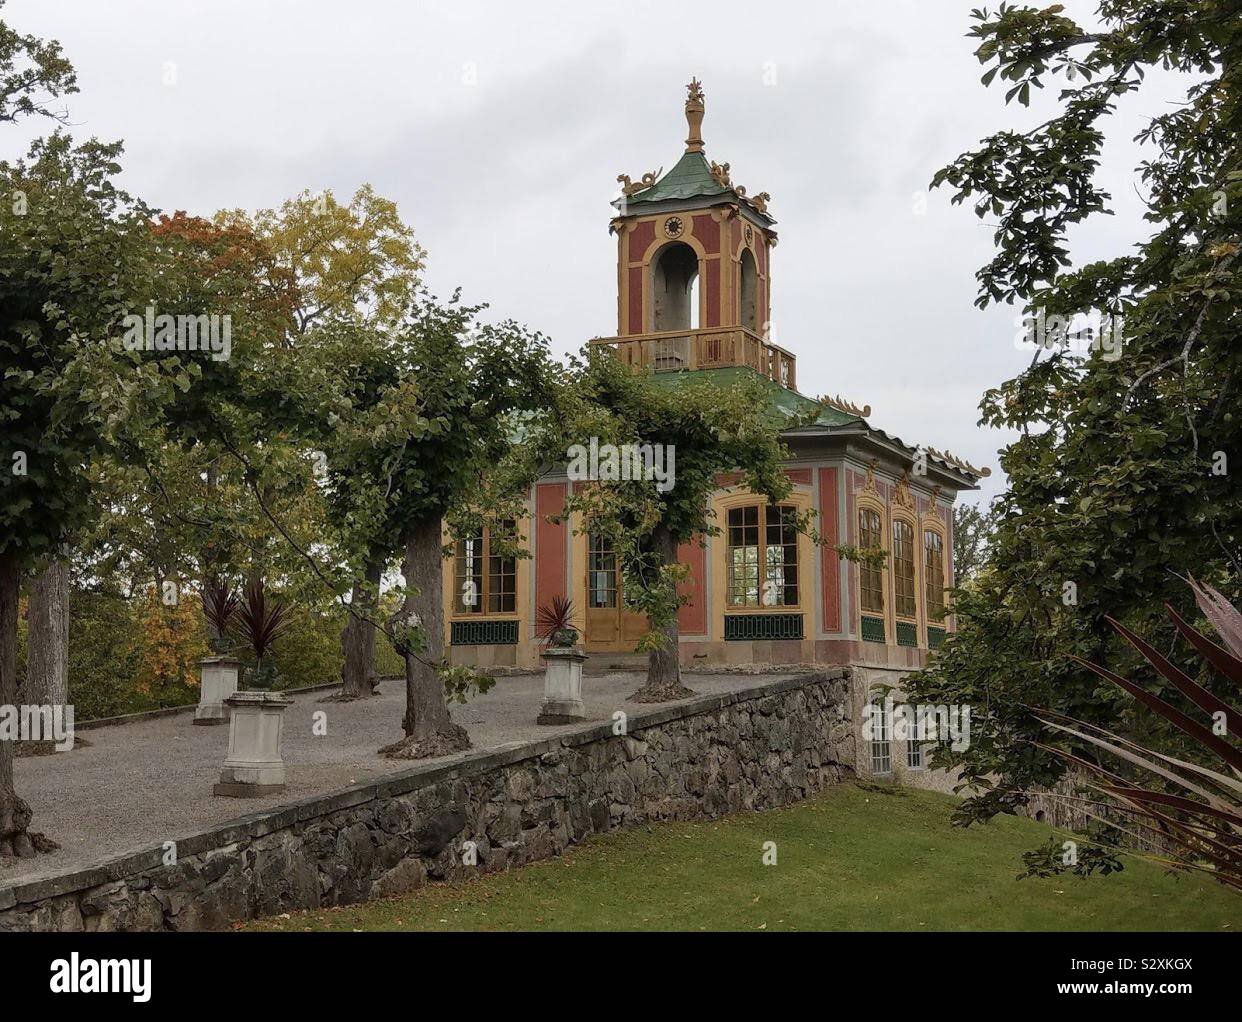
691, 178
781, 400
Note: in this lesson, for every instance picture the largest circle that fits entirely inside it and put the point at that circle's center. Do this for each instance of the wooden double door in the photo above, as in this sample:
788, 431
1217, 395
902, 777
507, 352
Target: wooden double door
610, 627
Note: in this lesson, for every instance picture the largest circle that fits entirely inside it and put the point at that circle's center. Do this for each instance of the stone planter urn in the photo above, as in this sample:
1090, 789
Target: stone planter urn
219, 681
254, 766
562, 686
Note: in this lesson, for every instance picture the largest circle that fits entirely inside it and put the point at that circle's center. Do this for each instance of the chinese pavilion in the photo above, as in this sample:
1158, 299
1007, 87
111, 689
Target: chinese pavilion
694, 293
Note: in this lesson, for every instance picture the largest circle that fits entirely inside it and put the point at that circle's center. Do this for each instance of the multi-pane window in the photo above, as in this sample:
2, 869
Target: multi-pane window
881, 745
762, 556
601, 573
502, 577
914, 749
486, 580
903, 568
933, 574
871, 577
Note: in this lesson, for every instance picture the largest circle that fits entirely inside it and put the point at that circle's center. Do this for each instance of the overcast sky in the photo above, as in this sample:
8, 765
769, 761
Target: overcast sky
500, 128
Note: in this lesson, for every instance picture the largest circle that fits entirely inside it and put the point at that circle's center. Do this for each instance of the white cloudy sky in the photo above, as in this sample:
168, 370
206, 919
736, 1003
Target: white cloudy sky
500, 127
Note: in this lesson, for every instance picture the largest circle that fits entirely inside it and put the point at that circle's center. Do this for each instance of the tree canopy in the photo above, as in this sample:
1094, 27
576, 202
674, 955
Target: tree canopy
1124, 472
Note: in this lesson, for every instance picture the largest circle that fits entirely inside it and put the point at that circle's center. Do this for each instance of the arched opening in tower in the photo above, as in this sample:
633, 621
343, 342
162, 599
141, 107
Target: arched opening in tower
675, 293
749, 292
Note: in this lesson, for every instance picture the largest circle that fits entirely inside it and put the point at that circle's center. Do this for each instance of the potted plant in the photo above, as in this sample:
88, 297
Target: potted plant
217, 672
555, 623
562, 675
254, 766
260, 622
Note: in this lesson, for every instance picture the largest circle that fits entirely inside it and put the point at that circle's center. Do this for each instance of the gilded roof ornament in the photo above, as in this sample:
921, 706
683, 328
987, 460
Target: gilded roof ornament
845, 406
629, 187
694, 116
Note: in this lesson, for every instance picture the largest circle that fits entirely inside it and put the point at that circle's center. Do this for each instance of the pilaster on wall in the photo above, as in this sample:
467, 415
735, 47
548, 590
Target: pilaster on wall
551, 544
830, 562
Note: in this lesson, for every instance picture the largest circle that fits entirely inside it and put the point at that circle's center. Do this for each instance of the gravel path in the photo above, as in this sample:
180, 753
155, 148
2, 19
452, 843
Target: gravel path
149, 781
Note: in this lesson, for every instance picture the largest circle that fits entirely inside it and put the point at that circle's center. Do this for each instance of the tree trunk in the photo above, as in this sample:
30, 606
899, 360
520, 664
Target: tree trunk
47, 659
663, 662
47, 654
429, 728
358, 637
207, 555
14, 812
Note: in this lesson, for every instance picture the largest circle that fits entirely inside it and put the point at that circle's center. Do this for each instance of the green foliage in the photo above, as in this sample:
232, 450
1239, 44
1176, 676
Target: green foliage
105, 657
33, 72
973, 526
1051, 859
71, 265
1119, 478
712, 429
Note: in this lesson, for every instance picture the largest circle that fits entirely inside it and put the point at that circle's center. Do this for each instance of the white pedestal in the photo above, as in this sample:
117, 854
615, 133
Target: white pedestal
219, 681
562, 686
254, 766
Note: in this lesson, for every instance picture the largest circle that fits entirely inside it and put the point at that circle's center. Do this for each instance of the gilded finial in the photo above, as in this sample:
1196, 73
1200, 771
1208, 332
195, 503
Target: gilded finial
845, 406
694, 116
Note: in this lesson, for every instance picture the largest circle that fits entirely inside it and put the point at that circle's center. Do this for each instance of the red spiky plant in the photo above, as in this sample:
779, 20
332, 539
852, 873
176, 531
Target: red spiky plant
259, 623
1197, 812
555, 622
220, 605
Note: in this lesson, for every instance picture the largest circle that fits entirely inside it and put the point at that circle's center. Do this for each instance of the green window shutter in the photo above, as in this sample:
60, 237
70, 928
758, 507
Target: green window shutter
907, 634
935, 636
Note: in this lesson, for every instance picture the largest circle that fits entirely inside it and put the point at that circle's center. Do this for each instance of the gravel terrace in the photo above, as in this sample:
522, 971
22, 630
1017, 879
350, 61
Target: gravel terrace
150, 780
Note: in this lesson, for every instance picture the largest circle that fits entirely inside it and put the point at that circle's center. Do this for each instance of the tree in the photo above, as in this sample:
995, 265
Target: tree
972, 532
418, 420
33, 72
47, 651
344, 264
71, 264
1119, 479
359, 259
708, 430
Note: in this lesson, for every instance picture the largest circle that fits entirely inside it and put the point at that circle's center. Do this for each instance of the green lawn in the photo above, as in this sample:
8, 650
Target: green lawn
853, 859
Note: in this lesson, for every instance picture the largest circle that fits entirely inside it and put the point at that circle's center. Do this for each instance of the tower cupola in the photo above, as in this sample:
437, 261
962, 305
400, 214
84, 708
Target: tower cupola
694, 266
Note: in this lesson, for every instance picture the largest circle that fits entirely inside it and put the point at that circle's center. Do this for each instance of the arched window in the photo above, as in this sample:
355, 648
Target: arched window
933, 574
871, 576
904, 602
674, 294
749, 291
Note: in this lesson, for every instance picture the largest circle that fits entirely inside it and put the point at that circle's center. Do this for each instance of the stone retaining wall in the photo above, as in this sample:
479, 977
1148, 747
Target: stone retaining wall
758, 748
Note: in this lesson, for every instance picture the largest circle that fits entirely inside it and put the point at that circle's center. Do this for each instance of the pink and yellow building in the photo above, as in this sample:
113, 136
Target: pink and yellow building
694, 292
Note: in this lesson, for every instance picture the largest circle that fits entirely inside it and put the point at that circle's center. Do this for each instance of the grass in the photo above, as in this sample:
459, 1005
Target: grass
852, 859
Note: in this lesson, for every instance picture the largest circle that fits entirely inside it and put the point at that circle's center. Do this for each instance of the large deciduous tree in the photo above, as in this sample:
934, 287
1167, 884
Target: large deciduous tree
1125, 470
72, 263
420, 418
345, 264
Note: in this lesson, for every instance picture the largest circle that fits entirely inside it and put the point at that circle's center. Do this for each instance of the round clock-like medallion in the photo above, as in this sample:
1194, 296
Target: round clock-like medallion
674, 227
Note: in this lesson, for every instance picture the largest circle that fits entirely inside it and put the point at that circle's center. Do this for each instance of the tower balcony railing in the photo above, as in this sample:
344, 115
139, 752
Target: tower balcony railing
718, 348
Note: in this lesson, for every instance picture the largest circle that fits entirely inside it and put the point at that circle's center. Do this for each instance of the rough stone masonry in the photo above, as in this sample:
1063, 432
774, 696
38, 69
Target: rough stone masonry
758, 748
